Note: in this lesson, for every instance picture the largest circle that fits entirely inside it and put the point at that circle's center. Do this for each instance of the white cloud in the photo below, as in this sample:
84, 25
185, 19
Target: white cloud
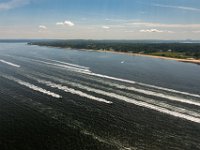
151, 30
67, 23
155, 31
149, 24
105, 27
177, 7
13, 4
42, 27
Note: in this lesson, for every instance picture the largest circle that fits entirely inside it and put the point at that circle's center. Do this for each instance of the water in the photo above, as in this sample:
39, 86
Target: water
75, 99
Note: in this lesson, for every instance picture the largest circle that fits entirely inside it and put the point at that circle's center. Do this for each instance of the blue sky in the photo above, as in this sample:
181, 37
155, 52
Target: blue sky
100, 19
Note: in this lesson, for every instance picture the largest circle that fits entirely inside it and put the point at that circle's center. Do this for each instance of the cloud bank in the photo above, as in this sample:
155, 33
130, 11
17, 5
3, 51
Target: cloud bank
154, 25
177, 7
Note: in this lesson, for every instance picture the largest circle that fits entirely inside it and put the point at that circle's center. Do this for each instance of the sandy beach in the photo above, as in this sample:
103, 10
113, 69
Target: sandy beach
196, 61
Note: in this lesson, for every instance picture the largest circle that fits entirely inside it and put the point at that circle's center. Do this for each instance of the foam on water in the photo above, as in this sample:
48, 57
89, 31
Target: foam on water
169, 90
156, 94
85, 70
69, 64
9, 63
113, 95
147, 85
33, 87
71, 68
171, 110
72, 91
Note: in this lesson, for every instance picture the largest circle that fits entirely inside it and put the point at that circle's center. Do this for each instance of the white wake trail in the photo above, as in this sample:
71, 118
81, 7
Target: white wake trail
169, 111
169, 90
63, 66
85, 70
109, 77
152, 93
69, 64
9, 63
155, 94
109, 94
72, 91
147, 85
33, 87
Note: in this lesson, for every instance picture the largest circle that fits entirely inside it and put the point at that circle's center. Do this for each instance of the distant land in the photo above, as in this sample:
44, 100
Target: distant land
101, 41
185, 51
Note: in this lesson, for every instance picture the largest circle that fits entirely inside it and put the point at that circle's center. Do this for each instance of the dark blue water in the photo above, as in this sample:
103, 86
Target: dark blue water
47, 103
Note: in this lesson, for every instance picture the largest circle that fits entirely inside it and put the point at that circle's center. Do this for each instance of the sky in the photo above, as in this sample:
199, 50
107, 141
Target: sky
100, 19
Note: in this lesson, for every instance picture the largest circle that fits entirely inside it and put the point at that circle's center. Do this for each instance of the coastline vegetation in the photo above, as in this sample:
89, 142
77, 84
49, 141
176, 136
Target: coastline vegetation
171, 49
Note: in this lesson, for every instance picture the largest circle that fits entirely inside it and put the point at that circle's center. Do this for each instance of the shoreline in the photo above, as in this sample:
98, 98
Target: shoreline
194, 61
